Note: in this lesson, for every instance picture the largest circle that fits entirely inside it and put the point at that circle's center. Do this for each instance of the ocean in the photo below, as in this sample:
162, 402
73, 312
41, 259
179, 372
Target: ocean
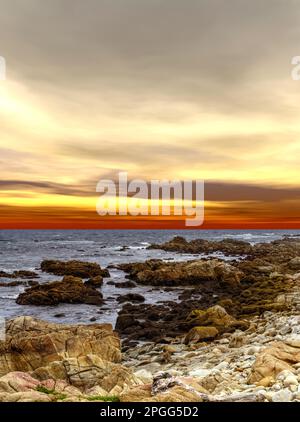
25, 249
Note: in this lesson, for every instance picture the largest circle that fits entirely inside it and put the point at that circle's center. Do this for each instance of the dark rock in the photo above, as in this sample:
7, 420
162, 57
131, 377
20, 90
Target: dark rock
95, 281
125, 285
19, 274
226, 246
69, 290
160, 273
13, 283
74, 268
131, 297
25, 274
32, 283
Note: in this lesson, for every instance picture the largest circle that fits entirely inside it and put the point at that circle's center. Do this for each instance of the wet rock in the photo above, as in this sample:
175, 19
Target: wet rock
25, 274
95, 281
126, 284
73, 268
19, 274
60, 315
131, 297
226, 246
69, 290
13, 283
124, 322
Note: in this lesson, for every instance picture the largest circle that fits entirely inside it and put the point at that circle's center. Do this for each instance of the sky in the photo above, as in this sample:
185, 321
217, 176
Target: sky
171, 89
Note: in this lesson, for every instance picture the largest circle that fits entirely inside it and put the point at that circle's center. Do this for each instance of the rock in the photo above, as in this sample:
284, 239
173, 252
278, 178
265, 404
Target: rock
125, 285
95, 281
266, 382
19, 274
80, 357
28, 396
227, 246
125, 321
284, 395
290, 380
13, 283
131, 297
237, 339
276, 358
74, 268
217, 317
69, 290
25, 274
85, 372
294, 263
32, 343
161, 273
142, 393
197, 334
145, 376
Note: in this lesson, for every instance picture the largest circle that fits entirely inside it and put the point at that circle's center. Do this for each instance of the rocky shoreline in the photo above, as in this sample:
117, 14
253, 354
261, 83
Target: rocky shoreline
233, 334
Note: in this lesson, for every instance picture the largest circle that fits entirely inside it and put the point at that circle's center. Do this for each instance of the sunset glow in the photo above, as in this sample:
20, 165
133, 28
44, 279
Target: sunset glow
226, 113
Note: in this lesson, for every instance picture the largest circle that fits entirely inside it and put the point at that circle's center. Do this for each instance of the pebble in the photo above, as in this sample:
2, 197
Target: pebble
290, 380
144, 375
284, 395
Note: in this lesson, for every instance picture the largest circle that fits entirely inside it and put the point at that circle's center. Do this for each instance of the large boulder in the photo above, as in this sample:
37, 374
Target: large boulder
69, 290
83, 357
277, 357
74, 268
32, 343
217, 317
160, 273
197, 334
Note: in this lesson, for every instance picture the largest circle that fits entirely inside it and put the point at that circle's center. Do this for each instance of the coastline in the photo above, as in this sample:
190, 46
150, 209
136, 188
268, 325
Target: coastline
233, 336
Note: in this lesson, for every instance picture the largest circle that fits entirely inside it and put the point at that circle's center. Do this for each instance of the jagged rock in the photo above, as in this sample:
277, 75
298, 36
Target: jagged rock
217, 317
69, 290
279, 356
32, 343
159, 273
79, 356
74, 268
86, 372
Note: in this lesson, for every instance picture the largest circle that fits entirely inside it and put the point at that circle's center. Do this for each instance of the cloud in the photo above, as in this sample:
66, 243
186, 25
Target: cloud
47, 187
215, 54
